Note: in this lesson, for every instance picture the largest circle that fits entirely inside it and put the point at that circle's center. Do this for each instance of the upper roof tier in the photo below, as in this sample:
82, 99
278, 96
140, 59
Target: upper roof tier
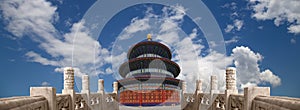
149, 47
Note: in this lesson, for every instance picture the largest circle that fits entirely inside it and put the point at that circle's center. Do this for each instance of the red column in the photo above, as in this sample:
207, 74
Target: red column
163, 96
140, 97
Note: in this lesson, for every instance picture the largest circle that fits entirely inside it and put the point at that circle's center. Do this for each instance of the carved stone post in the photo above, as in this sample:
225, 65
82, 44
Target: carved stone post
251, 92
183, 87
213, 89
101, 86
213, 83
199, 86
102, 94
85, 84
231, 79
86, 88
69, 83
115, 87
48, 92
230, 84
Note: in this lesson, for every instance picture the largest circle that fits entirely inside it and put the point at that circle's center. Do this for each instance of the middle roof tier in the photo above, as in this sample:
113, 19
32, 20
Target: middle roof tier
149, 62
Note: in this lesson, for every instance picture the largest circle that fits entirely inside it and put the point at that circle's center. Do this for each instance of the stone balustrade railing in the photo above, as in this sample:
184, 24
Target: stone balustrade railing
81, 102
236, 101
45, 98
63, 102
95, 100
219, 102
275, 103
24, 103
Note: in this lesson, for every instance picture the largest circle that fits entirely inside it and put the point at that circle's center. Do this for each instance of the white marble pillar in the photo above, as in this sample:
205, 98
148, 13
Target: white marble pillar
230, 84
85, 84
101, 86
69, 83
251, 92
48, 92
213, 88
199, 86
115, 87
68, 78
183, 86
213, 84
231, 79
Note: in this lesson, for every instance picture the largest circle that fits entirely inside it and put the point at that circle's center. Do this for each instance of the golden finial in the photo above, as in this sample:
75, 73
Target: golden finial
149, 37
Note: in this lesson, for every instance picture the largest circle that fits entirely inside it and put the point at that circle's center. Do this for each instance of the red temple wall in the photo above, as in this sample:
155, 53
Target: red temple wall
139, 97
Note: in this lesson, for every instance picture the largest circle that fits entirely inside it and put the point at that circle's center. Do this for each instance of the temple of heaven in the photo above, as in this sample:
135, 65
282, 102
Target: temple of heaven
149, 76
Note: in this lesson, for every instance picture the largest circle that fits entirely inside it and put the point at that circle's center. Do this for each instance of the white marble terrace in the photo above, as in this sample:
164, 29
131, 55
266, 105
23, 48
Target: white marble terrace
46, 98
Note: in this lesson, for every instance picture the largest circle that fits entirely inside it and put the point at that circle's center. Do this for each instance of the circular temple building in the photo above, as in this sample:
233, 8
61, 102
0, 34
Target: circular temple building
149, 76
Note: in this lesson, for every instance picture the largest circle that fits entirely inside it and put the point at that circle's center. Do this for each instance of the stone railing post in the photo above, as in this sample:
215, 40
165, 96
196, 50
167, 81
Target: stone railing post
199, 86
101, 86
48, 92
102, 93
213, 88
69, 84
230, 84
214, 85
251, 92
86, 88
85, 84
115, 87
183, 86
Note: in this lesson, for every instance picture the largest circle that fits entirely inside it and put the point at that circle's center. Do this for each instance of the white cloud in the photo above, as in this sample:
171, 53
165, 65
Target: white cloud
136, 25
35, 57
236, 26
246, 62
229, 28
45, 83
27, 16
293, 41
232, 40
175, 13
235, 18
248, 71
268, 76
248, 84
260, 27
35, 19
280, 11
295, 28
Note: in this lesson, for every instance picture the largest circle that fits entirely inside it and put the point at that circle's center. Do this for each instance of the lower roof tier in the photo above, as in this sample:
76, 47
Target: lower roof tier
140, 81
149, 62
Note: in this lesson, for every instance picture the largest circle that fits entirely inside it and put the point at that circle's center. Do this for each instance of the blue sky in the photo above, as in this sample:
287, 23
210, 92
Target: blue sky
260, 40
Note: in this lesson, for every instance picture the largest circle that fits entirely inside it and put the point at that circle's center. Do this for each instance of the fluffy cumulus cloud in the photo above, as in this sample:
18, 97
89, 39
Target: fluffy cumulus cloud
29, 17
268, 76
281, 11
248, 71
35, 19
